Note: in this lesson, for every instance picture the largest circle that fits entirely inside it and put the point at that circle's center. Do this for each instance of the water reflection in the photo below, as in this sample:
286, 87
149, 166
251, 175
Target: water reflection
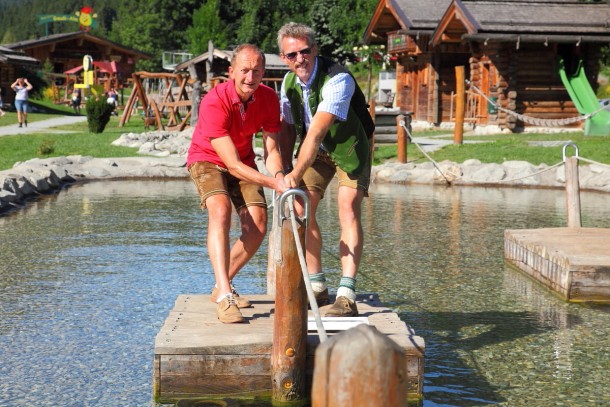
88, 276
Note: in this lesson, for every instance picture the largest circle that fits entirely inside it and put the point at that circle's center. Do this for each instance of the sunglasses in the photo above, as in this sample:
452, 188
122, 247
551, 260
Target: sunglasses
293, 55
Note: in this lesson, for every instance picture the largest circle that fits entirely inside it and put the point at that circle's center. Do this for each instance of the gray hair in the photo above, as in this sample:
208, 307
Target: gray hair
295, 30
251, 47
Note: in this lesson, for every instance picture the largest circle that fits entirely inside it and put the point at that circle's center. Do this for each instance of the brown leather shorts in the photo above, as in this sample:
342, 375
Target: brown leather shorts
211, 179
320, 174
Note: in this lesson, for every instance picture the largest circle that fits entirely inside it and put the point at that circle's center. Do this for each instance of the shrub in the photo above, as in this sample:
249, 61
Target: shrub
98, 113
46, 147
47, 94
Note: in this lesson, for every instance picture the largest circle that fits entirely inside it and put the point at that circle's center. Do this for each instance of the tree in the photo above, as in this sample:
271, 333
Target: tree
207, 26
259, 24
140, 30
320, 22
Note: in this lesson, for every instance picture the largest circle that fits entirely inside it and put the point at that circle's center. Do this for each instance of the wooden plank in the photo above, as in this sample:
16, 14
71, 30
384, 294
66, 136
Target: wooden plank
194, 375
197, 356
336, 324
574, 262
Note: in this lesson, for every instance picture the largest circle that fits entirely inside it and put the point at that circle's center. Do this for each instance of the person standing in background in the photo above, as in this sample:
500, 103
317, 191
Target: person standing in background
76, 100
21, 87
1, 104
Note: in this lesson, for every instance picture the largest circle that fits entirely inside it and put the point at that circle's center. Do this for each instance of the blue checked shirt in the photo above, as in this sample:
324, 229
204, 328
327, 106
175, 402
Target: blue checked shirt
336, 96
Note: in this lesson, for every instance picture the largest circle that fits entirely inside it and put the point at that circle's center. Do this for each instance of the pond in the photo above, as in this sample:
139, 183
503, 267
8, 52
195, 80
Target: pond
88, 276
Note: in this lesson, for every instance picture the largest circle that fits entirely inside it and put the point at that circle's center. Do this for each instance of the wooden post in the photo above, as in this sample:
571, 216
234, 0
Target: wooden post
359, 367
460, 97
372, 139
289, 350
401, 139
572, 192
275, 253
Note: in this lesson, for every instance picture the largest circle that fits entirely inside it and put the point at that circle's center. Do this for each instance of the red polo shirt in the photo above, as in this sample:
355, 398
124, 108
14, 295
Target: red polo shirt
222, 114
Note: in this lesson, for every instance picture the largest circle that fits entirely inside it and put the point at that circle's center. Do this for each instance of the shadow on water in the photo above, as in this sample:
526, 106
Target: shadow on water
451, 337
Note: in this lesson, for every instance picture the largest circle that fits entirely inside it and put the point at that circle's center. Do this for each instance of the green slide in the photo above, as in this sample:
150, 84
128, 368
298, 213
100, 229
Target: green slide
584, 99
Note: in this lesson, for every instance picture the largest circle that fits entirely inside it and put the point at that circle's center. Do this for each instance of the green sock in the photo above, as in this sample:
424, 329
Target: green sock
347, 288
318, 281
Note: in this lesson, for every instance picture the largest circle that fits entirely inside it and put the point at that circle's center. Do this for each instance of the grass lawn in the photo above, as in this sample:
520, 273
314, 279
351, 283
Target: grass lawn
78, 141
41, 110
509, 147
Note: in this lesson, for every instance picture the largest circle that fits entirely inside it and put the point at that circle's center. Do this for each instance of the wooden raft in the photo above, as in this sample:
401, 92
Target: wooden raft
196, 356
574, 262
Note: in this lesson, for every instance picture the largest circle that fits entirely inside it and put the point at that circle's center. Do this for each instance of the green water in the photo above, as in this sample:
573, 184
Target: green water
88, 276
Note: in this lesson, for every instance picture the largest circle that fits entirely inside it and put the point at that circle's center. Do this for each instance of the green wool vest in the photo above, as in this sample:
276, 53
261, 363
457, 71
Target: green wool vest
347, 142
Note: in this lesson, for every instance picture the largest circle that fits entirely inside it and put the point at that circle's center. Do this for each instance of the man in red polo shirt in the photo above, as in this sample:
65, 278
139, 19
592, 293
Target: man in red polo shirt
221, 163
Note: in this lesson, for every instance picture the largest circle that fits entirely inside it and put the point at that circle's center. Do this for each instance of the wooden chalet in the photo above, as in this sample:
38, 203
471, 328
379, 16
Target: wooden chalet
199, 69
509, 49
12, 65
66, 51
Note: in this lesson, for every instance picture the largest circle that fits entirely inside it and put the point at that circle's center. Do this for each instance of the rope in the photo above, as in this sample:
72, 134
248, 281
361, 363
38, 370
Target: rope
535, 120
559, 164
592, 162
465, 178
310, 294
402, 123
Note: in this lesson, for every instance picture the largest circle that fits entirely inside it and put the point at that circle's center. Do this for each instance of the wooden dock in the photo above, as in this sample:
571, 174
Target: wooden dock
573, 261
196, 356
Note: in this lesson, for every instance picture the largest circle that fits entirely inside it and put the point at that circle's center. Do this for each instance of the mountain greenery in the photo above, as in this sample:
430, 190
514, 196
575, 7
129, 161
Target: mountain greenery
154, 26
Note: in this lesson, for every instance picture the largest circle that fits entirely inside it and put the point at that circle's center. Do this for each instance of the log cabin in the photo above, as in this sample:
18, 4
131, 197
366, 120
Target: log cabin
509, 49
65, 51
12, 65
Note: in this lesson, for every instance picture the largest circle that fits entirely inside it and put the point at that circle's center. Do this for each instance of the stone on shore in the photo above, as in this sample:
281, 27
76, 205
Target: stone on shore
164, 156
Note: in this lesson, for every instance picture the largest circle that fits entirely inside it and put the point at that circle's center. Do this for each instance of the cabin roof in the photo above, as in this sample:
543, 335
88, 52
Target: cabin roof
540, 16
524, 20
272, 61
14, 57
409, 15
62, 37
535, 20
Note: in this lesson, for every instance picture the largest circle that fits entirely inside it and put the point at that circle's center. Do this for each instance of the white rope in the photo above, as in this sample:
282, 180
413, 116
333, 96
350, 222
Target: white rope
535, 120
310, 295
592, 162
467, 179
559, 164
402, 123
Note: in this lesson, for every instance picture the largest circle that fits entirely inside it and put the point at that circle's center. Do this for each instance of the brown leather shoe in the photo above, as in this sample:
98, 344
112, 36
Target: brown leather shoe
343, 307
321, 297
240, 301
228, 312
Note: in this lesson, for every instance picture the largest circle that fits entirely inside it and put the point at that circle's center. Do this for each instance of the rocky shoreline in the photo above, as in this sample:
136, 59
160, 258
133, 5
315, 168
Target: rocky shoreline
163, 156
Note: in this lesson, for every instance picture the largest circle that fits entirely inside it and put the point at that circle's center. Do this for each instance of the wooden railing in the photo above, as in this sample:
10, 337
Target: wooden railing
473, 103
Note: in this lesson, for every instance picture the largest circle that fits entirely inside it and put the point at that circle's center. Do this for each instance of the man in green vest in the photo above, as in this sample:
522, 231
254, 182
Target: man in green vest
323, 107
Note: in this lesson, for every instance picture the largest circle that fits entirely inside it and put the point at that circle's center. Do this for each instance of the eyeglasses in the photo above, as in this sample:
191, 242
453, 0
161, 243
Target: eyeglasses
293, 55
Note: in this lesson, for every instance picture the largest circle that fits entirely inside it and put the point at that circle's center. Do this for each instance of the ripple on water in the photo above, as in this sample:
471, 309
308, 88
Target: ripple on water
88, 276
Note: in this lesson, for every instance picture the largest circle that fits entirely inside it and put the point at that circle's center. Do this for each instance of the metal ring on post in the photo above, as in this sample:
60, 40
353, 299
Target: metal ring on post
564, 150
279, 210
300, 193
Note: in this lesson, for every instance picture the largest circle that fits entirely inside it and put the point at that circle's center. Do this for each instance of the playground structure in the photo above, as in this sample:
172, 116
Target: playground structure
88, 86
98, 78
160, 96
585, 100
